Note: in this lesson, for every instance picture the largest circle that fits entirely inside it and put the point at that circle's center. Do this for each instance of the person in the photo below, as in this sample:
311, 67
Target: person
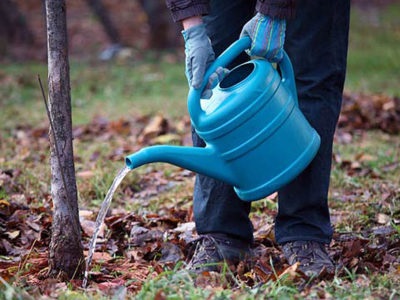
314, 33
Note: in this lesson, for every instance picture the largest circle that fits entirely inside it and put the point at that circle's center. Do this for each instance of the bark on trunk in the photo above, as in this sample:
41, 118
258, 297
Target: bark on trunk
66, 251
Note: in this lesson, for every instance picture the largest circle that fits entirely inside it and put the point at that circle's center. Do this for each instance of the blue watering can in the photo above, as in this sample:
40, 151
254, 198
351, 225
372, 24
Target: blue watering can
257, 139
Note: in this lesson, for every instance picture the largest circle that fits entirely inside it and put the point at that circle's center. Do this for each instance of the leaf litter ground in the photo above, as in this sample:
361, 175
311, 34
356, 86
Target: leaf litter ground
143, 241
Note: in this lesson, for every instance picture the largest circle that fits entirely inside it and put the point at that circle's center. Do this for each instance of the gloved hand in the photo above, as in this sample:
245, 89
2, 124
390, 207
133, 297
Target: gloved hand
213, 80
199, 54
267, 37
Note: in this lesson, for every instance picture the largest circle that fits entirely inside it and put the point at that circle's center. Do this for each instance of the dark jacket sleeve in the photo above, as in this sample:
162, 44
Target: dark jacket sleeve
277, 8
182, 9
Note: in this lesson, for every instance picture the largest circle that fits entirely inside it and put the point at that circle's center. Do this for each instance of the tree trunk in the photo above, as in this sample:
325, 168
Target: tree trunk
66, 251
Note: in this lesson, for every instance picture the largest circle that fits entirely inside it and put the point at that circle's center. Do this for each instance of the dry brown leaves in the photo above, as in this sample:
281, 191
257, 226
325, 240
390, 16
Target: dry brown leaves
360, 111
133, 248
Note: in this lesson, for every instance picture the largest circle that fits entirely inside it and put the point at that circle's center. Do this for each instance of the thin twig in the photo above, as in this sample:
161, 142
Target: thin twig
23, 262
55, 143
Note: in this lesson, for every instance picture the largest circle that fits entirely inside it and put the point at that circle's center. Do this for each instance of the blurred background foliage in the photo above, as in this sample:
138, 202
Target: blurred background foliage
127, 56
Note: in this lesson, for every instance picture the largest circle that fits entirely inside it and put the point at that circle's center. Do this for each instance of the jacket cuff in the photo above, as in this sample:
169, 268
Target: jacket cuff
277, 9
181, 13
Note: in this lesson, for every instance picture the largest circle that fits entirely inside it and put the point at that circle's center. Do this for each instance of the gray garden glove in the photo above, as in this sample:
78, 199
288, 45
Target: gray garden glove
199, 56
267, 37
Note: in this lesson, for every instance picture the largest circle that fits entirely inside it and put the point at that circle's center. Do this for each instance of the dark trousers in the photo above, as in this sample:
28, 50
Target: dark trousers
316, 41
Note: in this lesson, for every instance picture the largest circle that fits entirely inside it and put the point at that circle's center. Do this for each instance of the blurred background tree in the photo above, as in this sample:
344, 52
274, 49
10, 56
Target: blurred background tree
13, 25
93, 25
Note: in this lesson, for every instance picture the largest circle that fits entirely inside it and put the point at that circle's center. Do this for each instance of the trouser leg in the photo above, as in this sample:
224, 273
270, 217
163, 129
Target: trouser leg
216, 206
316, 41
317, 44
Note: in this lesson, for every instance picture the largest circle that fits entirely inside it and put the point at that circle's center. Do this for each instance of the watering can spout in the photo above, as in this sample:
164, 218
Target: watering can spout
196, 159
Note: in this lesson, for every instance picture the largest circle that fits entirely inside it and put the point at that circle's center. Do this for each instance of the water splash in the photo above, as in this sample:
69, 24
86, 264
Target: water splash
100, 219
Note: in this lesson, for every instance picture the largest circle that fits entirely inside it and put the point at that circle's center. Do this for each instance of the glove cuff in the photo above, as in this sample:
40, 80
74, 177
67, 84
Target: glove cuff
262, 17
195, 32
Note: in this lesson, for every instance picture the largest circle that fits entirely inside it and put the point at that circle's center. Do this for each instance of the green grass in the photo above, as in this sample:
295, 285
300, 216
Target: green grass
374, 175
119, 90
110, 90
373, 58
177, 284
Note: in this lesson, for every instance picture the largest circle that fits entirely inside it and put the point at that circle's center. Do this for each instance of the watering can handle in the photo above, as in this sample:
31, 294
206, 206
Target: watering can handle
223, 60
287, 76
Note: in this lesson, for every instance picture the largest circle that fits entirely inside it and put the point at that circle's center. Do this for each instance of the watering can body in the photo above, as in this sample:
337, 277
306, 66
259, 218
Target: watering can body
256, 137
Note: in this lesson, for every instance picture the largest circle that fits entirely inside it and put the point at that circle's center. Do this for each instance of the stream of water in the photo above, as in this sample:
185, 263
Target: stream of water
100, 219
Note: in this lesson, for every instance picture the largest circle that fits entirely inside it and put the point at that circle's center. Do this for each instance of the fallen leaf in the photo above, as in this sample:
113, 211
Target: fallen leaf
265, 232
167, 139
85, 174
99, 256
158, 125
382, 219
185, 227
290, 273
113, 284
262, 272
120, 127
83, 213
13, 234
4, 202
89, 227
170, 253
139, 235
